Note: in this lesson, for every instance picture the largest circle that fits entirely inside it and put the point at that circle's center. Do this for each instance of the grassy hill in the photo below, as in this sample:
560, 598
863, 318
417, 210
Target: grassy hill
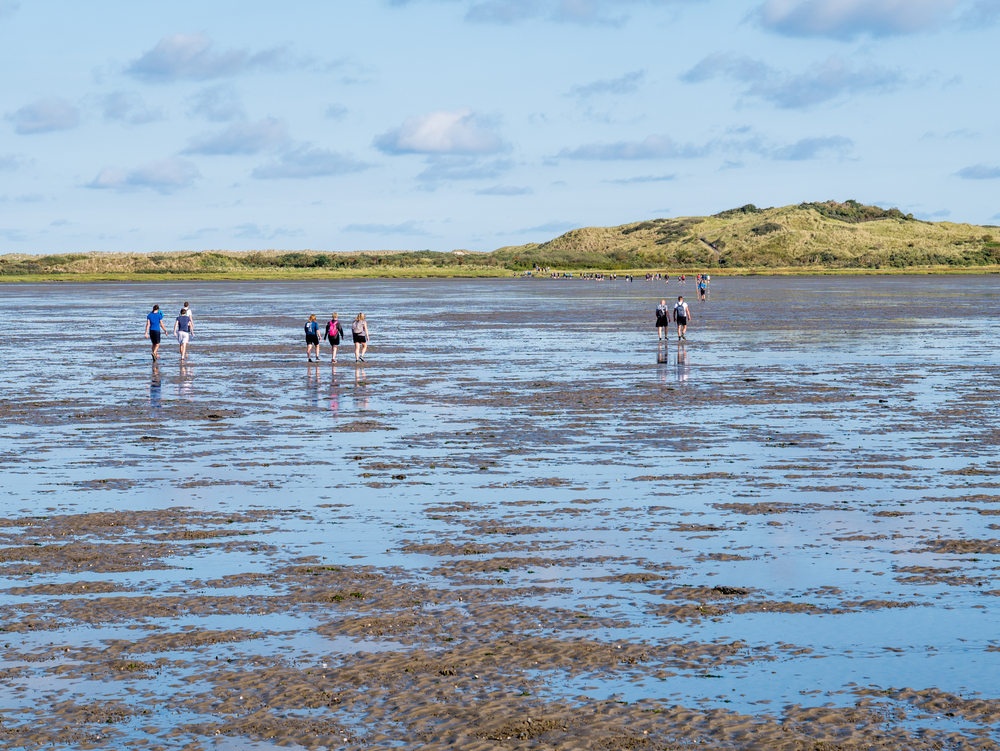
809, 237
827, 235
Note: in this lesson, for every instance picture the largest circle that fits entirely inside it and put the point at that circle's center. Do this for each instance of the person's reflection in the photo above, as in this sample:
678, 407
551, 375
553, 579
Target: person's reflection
683, 367
662, 355
312, 385
185, 385
334, 391
155, 399
360, 389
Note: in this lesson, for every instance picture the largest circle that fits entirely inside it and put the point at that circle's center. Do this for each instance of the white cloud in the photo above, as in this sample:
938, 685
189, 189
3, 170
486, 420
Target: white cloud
190, 57
443, 132
219, 103
979, 172
241, 138
847, 19
819, 83
44, 116
652, 147
812, 148
626, 84
643, 179
129, 107
163, 176
307, 161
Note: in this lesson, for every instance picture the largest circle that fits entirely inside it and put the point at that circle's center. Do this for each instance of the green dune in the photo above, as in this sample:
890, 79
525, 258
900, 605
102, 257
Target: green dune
826, 237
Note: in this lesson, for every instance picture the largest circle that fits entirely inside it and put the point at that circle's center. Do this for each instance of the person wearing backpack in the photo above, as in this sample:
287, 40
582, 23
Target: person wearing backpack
333, 333
662, 319
681, 316
359, 332
312, 337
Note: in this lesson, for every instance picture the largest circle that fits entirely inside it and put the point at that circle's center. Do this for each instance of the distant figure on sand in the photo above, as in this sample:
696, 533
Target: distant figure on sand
332, 334
702, 288
154, 327
681, 317
312, 337
183, 330
359, 331
662, 319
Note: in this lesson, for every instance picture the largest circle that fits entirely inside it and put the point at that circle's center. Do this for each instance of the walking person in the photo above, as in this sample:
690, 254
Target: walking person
312, 337
154, 327
702, 289
332, 334
682, 314
359, 331
183, 330
662, 320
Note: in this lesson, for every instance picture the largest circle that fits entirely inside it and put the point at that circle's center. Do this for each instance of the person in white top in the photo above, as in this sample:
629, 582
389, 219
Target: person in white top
682, 314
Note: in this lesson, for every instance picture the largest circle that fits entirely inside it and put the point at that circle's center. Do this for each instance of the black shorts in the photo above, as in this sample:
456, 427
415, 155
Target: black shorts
334, 341
154, 336
359, 338
682, 321
312, 339
662, 323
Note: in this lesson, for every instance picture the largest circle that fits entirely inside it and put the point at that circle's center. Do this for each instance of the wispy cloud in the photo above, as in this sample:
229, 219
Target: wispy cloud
819, 83
458, 131
164, 176
979, 172
504, 190
13, 235
44, 116
190, 57
812, 148
305, 161
219, 103
626, 84
335, 112
980, 14
8, 8
23, 198
9, 162
410, 227
256, 232
642, 179
241, 138
128, 107
848, 19
448, 168
553, 227
652, 147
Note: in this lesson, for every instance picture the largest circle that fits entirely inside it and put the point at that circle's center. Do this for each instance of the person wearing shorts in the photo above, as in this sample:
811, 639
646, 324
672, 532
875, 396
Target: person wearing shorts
359, 331
334, 331
183, 329
682, 314
662, 319
312, 337
154, 327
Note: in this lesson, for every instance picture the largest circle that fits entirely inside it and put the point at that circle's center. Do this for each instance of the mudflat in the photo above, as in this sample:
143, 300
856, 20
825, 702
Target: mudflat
523, 523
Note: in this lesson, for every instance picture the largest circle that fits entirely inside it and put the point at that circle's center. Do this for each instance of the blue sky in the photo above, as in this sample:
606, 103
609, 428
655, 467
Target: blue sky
443, 124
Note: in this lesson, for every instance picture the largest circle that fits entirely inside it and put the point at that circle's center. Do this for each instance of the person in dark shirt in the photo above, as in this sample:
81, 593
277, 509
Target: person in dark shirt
312, 337
154, 327
183, 330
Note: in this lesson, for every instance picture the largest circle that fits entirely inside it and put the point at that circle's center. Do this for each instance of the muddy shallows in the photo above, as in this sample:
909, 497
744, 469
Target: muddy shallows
523, 522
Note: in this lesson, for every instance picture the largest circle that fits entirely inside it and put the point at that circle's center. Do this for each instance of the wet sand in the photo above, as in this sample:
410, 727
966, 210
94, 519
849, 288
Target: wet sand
524, 523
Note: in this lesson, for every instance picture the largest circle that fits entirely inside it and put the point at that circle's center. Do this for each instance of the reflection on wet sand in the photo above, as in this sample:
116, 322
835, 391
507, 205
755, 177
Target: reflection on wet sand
683, 367
334, 391
185, 381
312, 384
360, 389
155, 395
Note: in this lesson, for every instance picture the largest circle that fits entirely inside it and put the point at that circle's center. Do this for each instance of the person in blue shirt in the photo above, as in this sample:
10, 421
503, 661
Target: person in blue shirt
312, 337
154, 327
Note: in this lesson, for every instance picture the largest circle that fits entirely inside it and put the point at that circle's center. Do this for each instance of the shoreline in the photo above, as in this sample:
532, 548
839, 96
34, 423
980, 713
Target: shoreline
486, 273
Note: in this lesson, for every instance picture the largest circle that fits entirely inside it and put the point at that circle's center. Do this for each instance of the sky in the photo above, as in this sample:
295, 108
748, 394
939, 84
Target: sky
477, 124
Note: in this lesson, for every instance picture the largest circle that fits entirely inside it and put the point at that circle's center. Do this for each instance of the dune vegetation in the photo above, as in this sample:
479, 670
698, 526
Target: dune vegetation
826, 237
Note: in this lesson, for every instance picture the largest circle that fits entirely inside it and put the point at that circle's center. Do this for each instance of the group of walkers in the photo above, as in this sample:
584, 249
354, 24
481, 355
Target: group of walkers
183, 330
333, 333
681, 315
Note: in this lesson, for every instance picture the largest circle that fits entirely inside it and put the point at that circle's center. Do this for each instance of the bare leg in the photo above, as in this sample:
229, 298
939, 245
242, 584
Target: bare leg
364, 349
357, 351
334, 353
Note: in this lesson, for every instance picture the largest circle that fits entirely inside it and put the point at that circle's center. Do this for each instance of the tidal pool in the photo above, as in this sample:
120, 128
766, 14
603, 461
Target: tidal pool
523, 523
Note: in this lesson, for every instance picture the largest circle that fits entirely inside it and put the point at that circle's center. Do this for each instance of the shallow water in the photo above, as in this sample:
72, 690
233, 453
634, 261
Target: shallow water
828, 444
